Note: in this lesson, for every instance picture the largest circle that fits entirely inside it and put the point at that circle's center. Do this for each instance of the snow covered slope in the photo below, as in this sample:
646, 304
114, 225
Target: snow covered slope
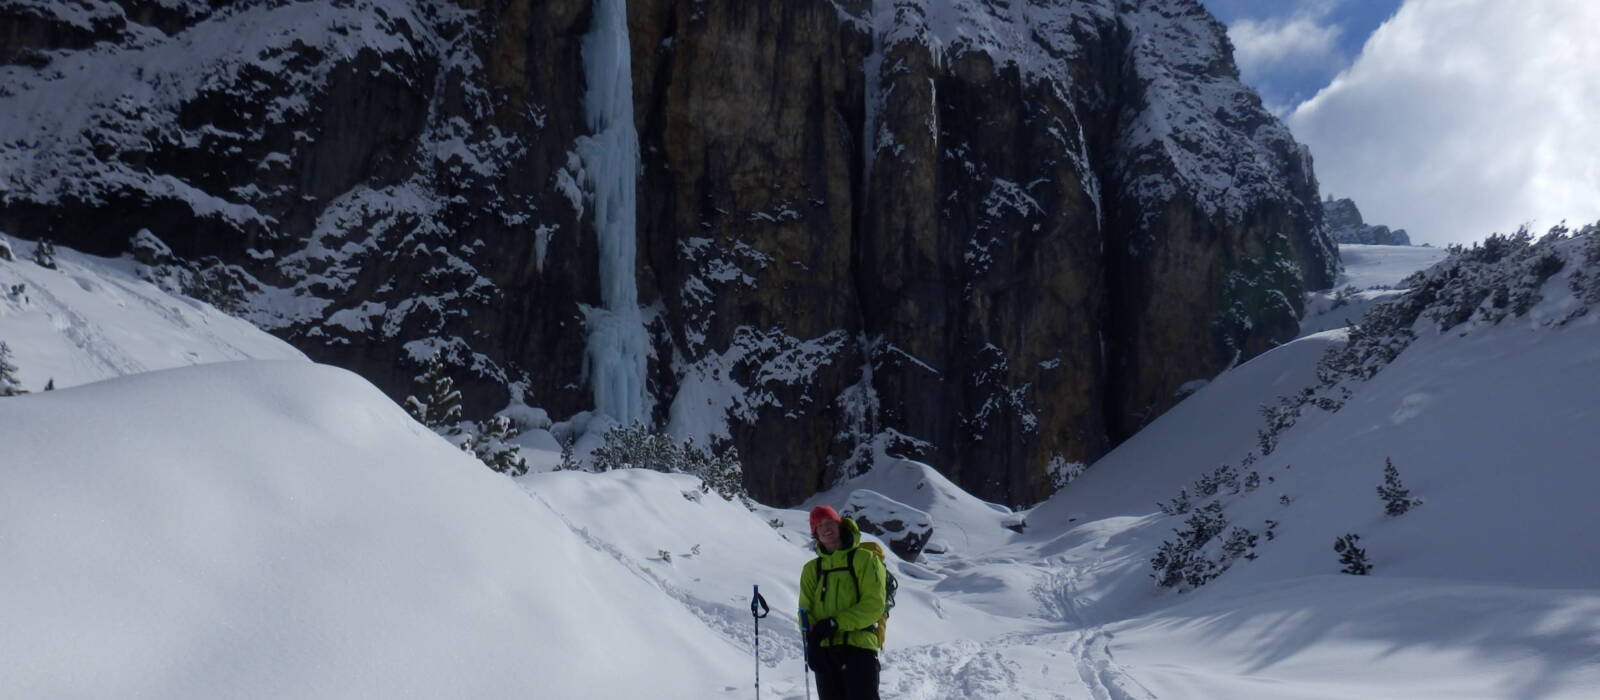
1488, 589
93, 318
282, 529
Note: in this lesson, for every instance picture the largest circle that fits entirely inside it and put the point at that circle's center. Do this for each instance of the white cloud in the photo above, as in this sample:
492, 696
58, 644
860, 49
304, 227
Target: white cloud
1264, 45
1465, 117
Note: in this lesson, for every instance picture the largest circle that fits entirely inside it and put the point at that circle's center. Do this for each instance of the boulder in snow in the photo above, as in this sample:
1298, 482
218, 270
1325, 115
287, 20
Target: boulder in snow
906, 529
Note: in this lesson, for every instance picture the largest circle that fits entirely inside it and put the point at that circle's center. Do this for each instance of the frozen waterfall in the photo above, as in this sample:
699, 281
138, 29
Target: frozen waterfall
618, 346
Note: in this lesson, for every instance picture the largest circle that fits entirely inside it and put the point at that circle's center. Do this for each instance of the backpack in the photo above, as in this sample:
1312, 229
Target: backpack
890, 584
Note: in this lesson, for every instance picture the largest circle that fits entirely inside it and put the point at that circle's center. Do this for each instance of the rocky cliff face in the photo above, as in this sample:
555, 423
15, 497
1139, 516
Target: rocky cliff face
995, 236
1345, 225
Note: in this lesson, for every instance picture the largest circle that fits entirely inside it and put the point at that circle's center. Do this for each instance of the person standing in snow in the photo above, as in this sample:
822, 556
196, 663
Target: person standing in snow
842, 594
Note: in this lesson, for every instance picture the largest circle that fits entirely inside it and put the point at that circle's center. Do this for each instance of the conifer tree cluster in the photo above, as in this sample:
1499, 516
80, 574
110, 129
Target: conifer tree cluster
636, 446
1397, 499
1200, 553
9, 384
439, 408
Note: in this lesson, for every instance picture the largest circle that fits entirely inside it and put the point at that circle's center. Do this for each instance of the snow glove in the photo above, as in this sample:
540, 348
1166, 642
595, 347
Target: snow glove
821, 630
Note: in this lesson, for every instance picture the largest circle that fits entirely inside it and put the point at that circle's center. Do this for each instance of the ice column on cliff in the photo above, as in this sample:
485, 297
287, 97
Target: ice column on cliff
618, 346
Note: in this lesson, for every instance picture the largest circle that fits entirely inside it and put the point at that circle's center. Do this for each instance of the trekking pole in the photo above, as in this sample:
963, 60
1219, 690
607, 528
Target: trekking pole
758, 602
805, 643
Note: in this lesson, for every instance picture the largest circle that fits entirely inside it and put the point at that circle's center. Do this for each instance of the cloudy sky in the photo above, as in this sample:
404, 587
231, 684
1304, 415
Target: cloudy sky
1452, 119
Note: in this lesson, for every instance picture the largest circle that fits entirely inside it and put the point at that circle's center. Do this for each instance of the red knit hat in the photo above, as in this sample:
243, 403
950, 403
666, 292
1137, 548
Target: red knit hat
821, 513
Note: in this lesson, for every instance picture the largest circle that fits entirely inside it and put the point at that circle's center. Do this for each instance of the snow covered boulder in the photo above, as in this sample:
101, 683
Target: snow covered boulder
906, 529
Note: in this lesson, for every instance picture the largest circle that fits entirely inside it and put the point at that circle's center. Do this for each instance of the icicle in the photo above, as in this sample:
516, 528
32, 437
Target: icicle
618, 346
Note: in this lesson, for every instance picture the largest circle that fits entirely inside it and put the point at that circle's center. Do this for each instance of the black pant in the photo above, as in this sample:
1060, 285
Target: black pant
845, 673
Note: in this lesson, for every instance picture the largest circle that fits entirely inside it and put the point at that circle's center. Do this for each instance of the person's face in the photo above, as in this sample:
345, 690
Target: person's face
828, 534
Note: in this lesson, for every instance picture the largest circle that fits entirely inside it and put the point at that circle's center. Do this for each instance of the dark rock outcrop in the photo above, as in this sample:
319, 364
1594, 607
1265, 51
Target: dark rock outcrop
992, 236
1346, 226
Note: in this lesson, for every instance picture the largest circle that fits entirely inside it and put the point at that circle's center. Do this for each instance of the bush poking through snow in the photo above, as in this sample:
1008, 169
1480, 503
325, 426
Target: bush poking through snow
1397, 499
9, 385
1343, 297
440, 405
635, 446
1178, 505
1182, 561
1224, 475
44, 255
1240, 543
1353, 558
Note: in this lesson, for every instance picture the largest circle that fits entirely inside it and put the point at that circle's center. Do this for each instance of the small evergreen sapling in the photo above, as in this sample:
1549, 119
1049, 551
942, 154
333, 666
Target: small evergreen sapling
9, 384
1397, 499
569, 460
1353, 558
440, 409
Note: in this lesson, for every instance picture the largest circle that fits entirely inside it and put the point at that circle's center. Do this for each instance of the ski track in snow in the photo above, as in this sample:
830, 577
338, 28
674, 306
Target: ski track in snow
1072, 665
85, 334
730, 622
1099, 670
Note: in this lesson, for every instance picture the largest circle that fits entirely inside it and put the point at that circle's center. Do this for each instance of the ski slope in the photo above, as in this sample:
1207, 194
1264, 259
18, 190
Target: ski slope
281, 529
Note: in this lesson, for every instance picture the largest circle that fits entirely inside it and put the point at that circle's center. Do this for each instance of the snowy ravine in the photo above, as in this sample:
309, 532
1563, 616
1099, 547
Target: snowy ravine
281, 529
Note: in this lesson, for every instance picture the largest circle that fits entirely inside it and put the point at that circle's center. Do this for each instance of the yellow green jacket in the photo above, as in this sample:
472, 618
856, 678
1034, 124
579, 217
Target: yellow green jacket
838, 598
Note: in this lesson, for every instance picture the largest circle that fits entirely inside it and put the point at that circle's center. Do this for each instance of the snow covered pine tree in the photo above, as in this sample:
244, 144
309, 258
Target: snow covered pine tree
1397, 499
1353, 557
490, 443
440, 410
9, 385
